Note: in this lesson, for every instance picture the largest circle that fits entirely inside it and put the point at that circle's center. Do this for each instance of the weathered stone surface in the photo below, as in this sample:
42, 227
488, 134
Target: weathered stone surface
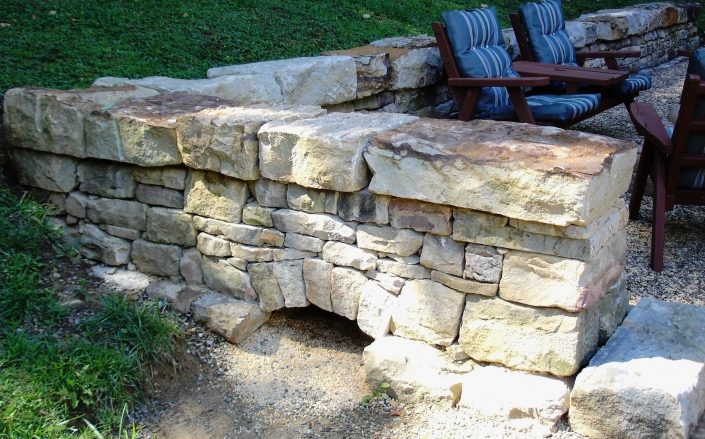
321, 226
347, 285
442, 253
408, 271
624, 393
428, 311
159, 196
413, 369
159, 259
215, 196
46, 171
122, 213
288, 254
238, 263
389, 240
170, 226
306, 199
269, 193
251, 254
179, 295
323, 153
339, 253
569, 177
75, 204
389, 282
223, 277
320, 80
415, 63
224, 139
364, 206
483, 218
167, 176
210, 245
456, 353
483, 263
464, 285
504, 395
520, 337
612, 308
106, 179
98, 245
233, 319
373, 68
570, 284
289, 275
332, 201
266, 285
303, 242
374, 313
190, 267
317, 277
422, 217
256, 215
240, 233
121, 232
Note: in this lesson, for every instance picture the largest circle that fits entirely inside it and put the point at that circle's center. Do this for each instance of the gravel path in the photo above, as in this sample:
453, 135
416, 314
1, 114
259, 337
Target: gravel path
301, 374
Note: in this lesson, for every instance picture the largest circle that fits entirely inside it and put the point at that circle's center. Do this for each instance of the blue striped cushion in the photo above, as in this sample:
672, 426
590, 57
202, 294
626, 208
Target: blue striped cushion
635, 83
478, 47
549, 108
545, 25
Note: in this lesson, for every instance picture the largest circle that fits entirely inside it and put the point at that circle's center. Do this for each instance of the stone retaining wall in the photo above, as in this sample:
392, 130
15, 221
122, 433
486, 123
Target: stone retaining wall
404, 74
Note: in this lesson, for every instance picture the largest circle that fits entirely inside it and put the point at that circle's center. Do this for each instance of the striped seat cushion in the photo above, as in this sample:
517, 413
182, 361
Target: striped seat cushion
545, 25
549, 108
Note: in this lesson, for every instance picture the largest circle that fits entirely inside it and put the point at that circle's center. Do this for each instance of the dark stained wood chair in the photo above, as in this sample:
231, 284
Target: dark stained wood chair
676, 163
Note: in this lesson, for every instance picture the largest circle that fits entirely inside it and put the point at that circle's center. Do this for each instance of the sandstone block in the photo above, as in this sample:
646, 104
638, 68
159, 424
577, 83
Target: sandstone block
122, 213
373, 68
290, 277
339, 253
215, 196
306, 199
612, 308
389, 282
318, 277
159, 196
159, 259
533, 339
483, 263
224, 139
75, 204
422, 217
570, 284
326, 227
374, 313
190, 267
347, 285
46, 171
413, 369
364, 206
464, 285
251, 254
240, 233
323, 153
170, 226
415, 61
98, 245
255, 215
233, 319
465, 165
320, 80
401, 269
269, 193
106, 179
288, 254
210, 245
623, 392
121, 232
428, 311
442, 253
167, 176
178, 295
266, 285
223, 277
402, 242
303, 242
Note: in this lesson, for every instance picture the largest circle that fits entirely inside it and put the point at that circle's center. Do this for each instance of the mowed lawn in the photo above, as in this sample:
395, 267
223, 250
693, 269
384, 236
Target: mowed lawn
68, 43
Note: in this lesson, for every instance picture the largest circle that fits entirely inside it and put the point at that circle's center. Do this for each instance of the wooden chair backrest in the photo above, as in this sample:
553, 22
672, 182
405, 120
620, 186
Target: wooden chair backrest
439, 30
525, 53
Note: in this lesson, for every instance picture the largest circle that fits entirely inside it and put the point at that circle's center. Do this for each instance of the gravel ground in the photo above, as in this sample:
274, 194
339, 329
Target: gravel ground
301, 374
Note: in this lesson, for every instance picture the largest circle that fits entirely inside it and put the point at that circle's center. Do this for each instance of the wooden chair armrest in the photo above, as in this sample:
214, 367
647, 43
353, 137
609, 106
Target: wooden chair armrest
685, 52
648, 124
609, 54
536, 81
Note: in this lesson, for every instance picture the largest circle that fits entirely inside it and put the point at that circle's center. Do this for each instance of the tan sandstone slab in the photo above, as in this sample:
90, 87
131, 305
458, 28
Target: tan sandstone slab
224, 139
528, 172
232, 318
323, 153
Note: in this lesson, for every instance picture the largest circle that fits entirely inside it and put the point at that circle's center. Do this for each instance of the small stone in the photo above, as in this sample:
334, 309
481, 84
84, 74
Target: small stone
159, 259
347, 285
233, 319
318, 278
374, 313
483, 263
213, 246
465, 285
408, 271
170, 226
389, 240
190, 267
256, 215
389, 282
215, 196
223, 277
306, 199
442, 253
422, 217
339, 253
159, 196
303, 242
322, 226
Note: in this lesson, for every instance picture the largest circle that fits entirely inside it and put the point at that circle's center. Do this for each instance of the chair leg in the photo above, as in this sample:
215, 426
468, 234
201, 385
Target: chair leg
659, 215
521, 107
642, 171
468, 105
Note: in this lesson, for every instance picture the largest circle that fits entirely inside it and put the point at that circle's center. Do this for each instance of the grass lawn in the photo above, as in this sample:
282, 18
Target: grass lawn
69, 43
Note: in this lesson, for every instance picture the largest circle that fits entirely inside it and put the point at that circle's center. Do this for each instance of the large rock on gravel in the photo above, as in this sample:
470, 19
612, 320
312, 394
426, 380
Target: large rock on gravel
647, 381
323, 153
413, 369
527, 172
232, 318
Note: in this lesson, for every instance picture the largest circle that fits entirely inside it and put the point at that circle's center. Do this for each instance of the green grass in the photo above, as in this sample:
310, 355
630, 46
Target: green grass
69, 43
56, 377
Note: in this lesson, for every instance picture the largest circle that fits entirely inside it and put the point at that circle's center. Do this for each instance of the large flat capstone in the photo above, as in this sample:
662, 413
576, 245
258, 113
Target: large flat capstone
526, 172
649, 379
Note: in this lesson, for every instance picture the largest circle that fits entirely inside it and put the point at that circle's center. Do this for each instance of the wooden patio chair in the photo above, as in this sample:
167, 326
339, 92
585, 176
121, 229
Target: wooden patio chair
483, 83
673, 157
539, 28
